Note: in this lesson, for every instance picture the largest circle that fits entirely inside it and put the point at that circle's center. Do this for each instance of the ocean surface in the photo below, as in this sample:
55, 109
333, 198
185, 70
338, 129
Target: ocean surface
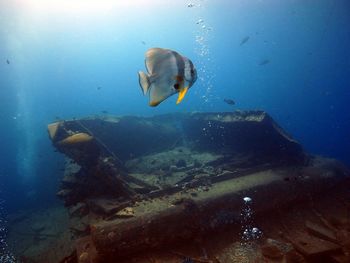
64, 59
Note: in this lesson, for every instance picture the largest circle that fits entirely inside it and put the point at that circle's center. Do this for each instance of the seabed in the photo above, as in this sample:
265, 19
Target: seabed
202, 187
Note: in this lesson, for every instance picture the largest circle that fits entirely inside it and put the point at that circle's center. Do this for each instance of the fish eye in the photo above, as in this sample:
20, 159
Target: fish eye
176, 86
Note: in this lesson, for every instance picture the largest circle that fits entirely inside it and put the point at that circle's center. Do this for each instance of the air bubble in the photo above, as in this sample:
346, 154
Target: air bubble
249, 232
5, 255
247, 199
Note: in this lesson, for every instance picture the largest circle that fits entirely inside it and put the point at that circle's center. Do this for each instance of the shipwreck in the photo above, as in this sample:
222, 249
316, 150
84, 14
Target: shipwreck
193, 186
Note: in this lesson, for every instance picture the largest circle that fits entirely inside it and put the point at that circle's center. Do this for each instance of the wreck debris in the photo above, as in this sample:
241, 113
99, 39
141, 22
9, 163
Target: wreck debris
271, 251
320, 232
312, 247
185, 177
86, 251
104, 165
52, 128
125, 213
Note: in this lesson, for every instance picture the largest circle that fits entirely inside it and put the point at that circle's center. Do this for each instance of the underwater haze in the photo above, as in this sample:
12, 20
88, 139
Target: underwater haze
64, 59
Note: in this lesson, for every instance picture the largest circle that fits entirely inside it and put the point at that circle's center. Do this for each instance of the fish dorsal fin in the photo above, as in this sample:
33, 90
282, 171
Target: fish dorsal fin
154, 57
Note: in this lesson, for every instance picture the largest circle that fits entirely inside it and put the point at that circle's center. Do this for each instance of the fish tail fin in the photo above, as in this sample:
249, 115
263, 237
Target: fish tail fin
144, 82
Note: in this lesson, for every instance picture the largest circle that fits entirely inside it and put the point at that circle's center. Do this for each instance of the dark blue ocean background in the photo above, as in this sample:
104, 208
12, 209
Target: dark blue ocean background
72, 59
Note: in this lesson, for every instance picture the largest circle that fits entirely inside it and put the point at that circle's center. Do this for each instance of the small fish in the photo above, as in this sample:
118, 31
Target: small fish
99, 87
104, 111
168, 73
244, 40
264, 62
8, 62
229, 102
143, 42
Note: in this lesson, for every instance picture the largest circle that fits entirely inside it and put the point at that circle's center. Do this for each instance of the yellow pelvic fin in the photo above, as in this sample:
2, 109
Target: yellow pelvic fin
182, 94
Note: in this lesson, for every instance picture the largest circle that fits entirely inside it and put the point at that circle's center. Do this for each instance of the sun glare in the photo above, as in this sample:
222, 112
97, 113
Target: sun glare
87, 7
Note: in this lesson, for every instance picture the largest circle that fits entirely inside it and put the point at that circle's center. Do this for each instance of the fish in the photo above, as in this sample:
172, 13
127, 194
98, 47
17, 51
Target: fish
99, 87
104, 111
264, 62
143, 42
8, 62
168, 73
229, 102
244, 40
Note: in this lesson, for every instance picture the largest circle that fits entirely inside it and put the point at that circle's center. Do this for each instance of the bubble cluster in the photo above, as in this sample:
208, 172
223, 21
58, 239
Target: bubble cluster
5, 255
249, 231
202, 49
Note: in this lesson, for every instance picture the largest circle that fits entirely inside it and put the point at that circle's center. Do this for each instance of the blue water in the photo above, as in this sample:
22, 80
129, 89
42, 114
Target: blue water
77, 58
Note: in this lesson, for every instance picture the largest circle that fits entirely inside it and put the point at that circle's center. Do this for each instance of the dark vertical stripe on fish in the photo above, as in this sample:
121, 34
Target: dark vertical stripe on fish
180, 64
192, 72
191, 65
